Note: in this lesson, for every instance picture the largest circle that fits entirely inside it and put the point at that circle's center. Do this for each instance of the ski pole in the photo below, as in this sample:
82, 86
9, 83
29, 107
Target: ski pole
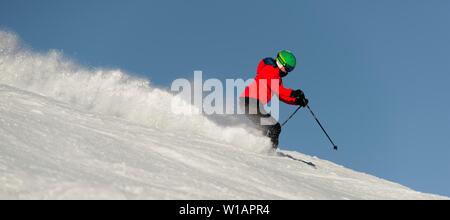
292, 115
318, 122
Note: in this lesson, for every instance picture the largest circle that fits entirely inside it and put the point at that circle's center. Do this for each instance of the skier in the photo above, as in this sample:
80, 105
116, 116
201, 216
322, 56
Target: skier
256, 95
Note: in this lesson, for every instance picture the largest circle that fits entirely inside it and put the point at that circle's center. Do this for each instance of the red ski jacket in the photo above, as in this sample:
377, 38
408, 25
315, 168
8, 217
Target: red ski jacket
268, 81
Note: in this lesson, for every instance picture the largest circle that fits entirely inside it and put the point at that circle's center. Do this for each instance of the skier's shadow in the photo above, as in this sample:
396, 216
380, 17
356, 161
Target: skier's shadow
296, 159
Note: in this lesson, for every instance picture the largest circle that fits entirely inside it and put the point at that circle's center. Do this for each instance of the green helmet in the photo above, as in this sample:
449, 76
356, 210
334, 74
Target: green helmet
287, 59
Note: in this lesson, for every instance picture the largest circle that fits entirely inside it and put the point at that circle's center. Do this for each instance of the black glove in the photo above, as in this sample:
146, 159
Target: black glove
302, 102
297, 94
300, 98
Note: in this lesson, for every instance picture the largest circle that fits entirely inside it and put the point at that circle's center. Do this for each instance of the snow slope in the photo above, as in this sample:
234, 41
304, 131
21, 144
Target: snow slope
70, 132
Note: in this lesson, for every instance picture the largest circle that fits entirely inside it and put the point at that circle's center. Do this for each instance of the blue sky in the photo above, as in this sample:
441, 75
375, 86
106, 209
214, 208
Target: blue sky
376, 72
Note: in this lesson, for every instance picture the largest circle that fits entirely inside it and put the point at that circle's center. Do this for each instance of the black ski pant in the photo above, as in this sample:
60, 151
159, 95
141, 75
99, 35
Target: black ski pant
262, 120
